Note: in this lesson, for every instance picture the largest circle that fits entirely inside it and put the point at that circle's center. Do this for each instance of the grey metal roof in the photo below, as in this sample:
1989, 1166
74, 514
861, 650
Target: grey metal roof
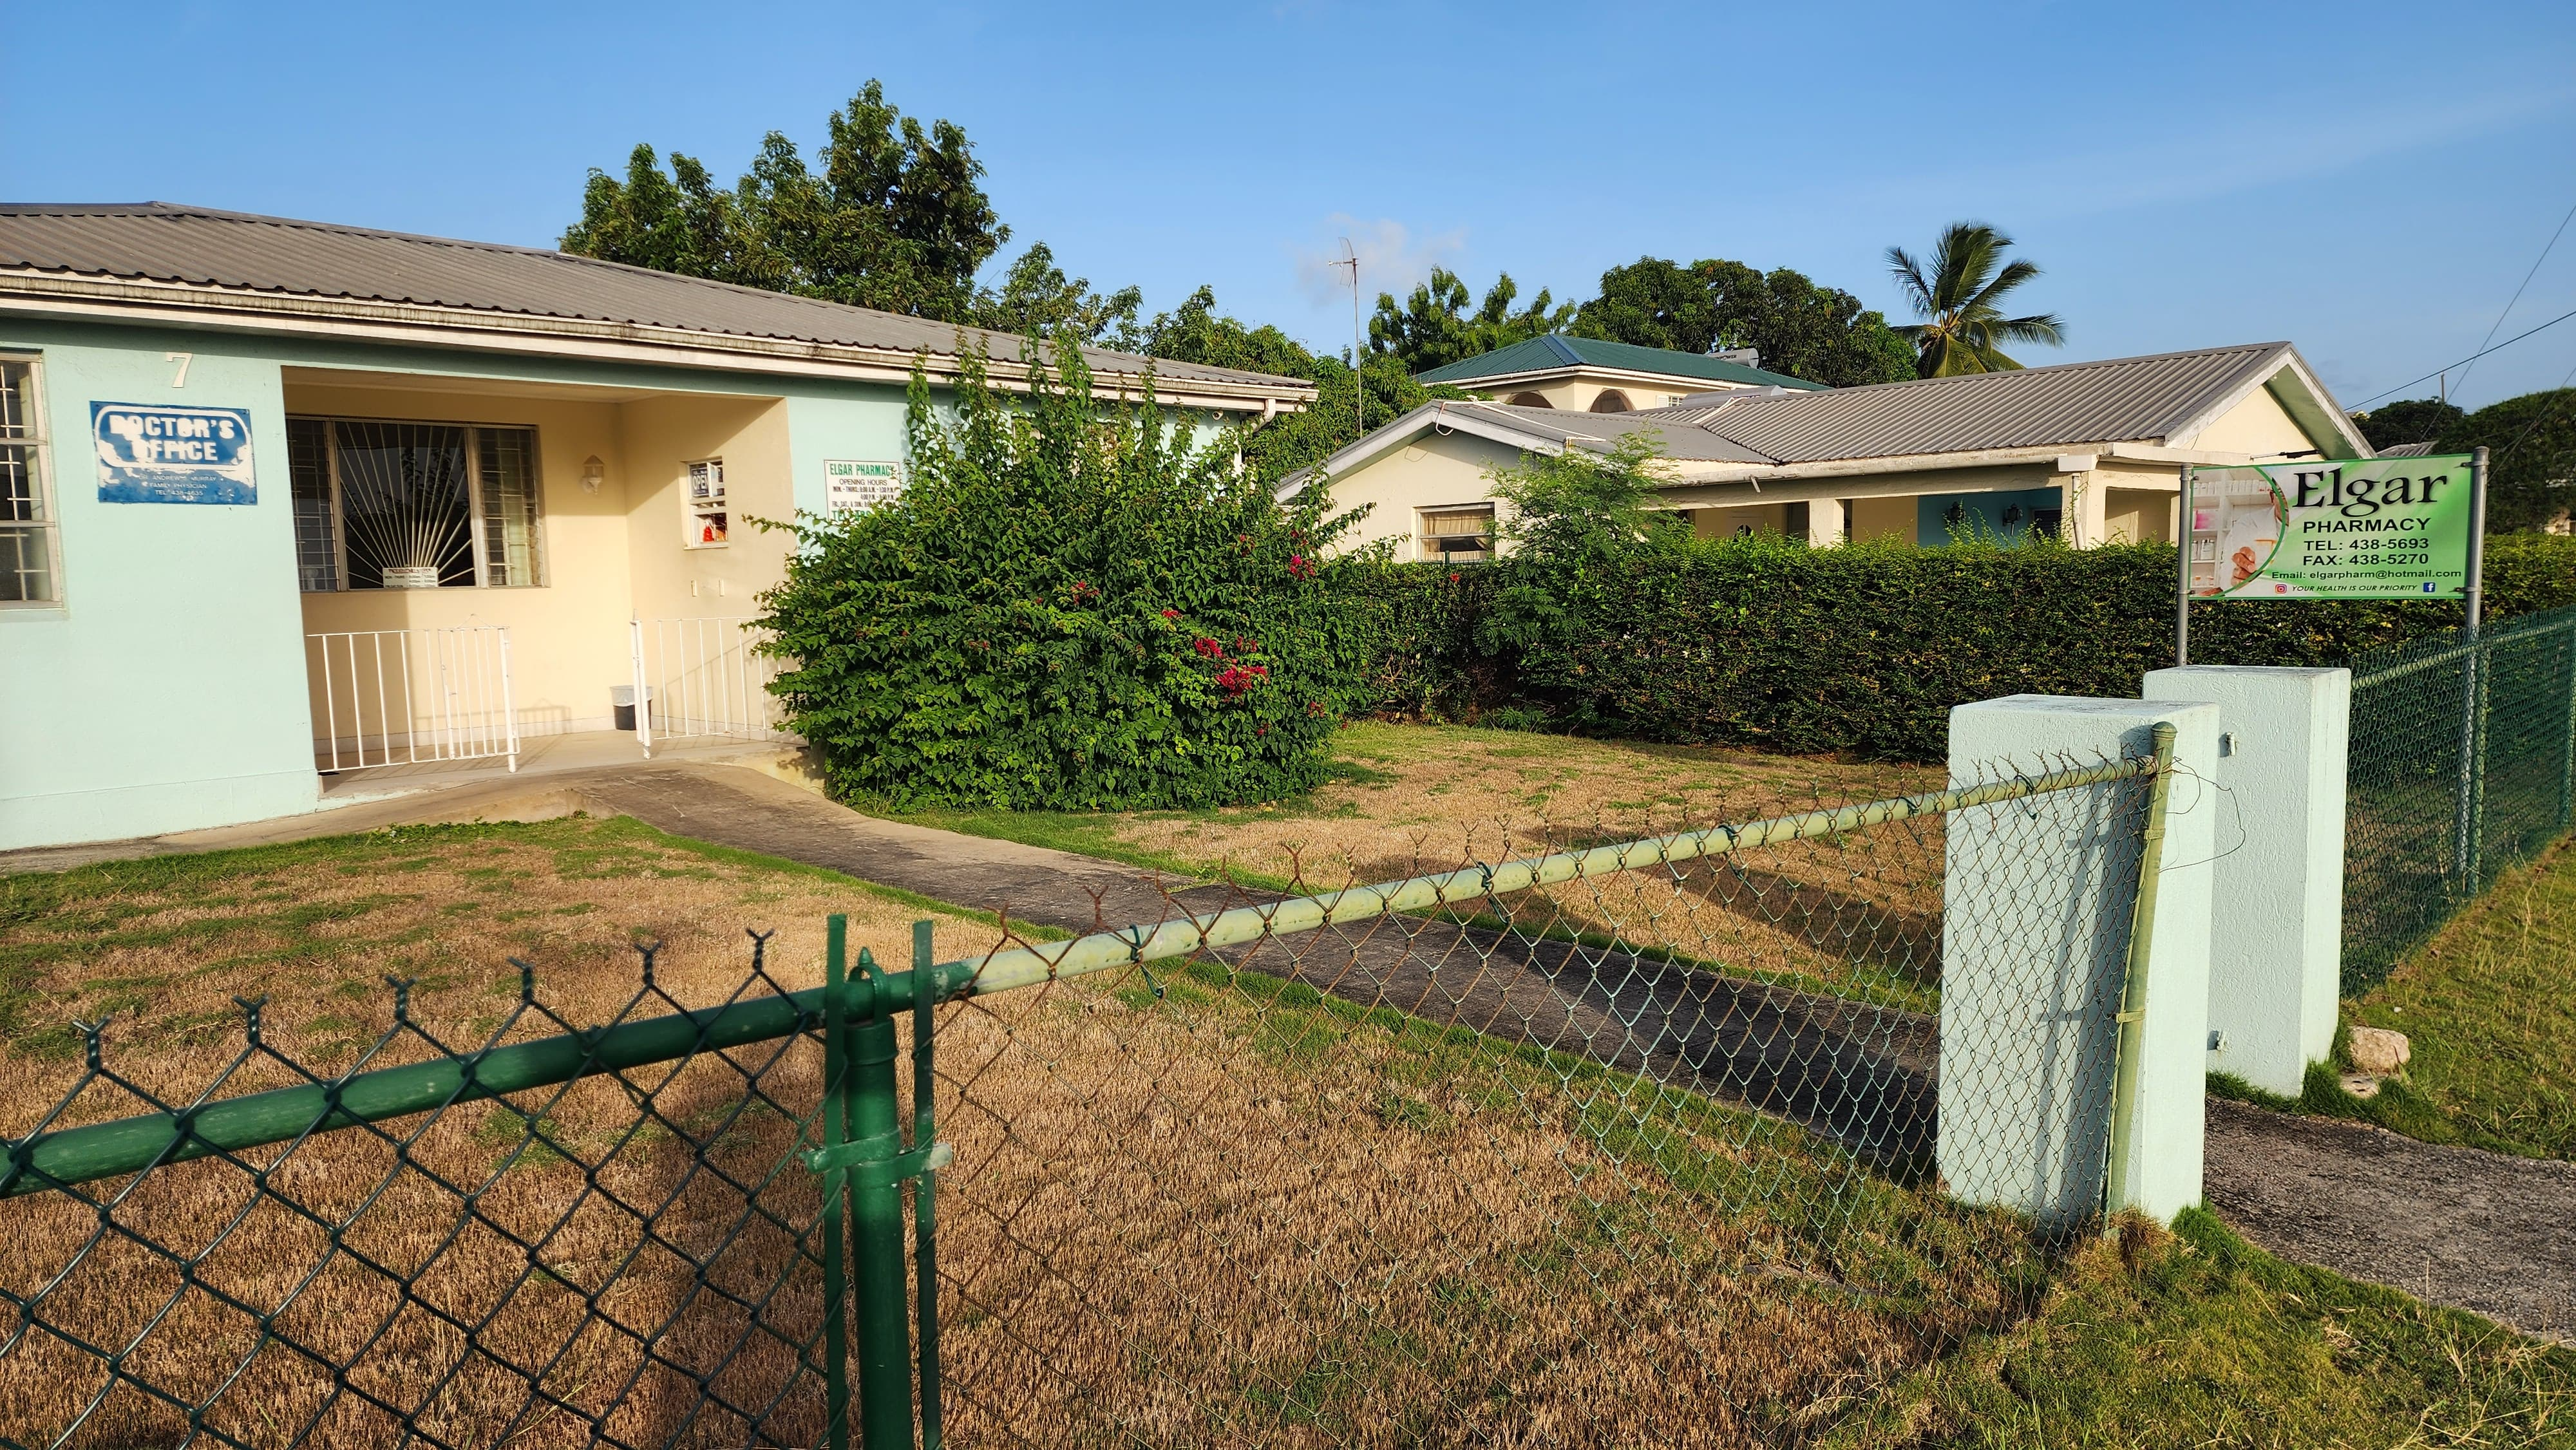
2074, 406
2408, 450
239, 251
2118, 400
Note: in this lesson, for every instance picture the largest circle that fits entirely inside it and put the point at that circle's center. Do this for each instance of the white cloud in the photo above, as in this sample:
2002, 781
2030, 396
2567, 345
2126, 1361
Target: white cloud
1392, 258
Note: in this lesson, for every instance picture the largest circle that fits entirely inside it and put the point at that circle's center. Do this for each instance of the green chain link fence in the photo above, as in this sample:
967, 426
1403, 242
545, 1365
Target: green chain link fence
2463, 766
1691, 1138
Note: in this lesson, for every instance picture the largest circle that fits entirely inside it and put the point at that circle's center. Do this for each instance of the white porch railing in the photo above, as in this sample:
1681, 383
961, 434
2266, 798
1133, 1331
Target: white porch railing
411, 696
703, 677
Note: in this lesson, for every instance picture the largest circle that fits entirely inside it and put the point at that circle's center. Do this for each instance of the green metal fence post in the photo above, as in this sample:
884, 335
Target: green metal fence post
884, 1328
836, 1345
2567, 725
925, 1220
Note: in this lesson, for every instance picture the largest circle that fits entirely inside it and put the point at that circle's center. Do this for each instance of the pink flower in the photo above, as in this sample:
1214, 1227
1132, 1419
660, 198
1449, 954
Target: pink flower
1171, 614
1208, 648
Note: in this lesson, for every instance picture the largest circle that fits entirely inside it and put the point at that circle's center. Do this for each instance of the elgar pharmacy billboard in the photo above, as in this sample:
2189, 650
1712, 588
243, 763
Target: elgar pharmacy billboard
2366, 528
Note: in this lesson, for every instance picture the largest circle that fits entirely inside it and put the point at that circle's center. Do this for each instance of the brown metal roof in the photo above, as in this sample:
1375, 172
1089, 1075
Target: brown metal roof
237, 251
2126, 399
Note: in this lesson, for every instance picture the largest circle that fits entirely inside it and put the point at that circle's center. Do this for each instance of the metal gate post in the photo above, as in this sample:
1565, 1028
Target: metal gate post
836, 1067
876, 1229
925, 1223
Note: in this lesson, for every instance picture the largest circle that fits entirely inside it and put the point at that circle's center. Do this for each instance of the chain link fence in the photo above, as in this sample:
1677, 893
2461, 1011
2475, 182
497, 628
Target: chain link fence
1702, 1137
2463, 766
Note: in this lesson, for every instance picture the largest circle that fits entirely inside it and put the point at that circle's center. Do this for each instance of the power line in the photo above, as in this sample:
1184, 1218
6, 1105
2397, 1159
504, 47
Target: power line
2472, 357
2526, 282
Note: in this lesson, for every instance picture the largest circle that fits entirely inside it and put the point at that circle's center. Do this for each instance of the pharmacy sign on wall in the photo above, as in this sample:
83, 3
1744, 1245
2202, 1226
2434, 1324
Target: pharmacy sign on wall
2366, 528
853, 484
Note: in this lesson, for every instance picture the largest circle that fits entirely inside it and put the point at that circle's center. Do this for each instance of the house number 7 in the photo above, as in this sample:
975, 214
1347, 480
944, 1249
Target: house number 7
182, 359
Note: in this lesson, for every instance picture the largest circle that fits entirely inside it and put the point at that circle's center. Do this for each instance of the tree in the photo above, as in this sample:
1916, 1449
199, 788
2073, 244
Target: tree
1036, 297
677, 221
895, 219
1821, 334
1198, 333
2415, 420
1434, 328
1964, 328
1576, 516
2531, 457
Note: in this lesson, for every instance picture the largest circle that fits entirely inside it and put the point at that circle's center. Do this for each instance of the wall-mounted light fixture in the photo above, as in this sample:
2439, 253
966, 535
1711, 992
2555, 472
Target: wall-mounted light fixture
593, 474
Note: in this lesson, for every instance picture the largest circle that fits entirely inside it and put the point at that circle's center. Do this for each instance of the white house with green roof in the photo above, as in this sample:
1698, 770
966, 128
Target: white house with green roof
1587, 375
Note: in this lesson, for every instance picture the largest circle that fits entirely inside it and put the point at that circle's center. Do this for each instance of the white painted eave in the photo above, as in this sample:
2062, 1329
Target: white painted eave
172, 304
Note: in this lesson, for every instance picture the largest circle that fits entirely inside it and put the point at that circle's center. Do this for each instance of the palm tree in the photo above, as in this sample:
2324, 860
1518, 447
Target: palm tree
1965, 328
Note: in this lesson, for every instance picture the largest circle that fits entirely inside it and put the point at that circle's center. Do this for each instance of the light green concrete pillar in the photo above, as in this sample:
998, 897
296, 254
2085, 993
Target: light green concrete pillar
2037, 906
2276, 922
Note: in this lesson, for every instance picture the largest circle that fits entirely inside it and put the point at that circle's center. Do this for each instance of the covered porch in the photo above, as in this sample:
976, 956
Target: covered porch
497, 571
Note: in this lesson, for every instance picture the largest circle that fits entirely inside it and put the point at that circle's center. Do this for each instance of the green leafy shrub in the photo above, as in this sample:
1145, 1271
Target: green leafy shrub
1071, 607
1864, 648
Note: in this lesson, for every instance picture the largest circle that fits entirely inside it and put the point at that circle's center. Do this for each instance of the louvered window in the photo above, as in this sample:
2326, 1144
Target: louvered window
406, 505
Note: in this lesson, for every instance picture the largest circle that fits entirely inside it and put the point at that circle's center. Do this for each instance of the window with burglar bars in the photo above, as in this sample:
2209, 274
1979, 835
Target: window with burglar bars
408, 505
28, 546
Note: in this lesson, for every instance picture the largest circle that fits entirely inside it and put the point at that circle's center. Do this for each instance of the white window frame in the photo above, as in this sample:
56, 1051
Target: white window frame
48, 522
538, 566
694, 511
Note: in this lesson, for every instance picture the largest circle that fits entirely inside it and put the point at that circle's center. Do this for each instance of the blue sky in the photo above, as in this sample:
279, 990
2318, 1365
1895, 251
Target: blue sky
2369, 181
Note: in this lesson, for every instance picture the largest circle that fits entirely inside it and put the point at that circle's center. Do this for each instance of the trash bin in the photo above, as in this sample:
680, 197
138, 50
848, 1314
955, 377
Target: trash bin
621, 705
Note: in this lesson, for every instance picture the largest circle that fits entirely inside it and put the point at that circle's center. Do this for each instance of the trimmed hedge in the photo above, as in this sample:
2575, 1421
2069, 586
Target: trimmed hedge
1861, 649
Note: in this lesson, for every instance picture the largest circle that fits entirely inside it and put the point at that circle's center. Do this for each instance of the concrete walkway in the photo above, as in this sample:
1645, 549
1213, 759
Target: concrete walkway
2477, 1231
2455, 1226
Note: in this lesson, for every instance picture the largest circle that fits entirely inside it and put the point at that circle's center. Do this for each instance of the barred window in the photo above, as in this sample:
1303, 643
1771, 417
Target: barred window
405, 505
29, 548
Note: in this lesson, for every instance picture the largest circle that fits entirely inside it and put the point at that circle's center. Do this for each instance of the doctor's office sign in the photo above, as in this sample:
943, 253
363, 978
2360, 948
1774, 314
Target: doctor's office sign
159, 453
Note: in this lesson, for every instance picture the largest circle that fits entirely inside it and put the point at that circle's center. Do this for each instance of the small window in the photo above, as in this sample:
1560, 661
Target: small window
1529, 400
1611, 401
705, 504
28, 547
1458, 535
406, 505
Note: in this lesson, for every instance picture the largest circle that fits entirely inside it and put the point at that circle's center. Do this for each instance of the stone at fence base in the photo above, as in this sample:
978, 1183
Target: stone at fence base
2378, 1051
2361, 1084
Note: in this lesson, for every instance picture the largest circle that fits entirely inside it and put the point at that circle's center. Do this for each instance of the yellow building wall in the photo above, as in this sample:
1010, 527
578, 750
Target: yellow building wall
1575, 393
660, 437
1723, 523
2257, 426
1883, 518
568, 637
2138, 516
1399, 486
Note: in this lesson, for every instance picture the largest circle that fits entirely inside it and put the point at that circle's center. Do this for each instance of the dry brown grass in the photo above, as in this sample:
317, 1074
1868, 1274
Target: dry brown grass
1234, 1214
1856, 914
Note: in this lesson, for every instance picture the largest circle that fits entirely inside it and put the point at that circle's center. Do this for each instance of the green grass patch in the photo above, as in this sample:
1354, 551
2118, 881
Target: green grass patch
2198, 1338
2490, 1011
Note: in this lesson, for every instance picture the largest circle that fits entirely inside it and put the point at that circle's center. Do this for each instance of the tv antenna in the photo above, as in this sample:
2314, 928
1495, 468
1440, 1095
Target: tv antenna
1359, 392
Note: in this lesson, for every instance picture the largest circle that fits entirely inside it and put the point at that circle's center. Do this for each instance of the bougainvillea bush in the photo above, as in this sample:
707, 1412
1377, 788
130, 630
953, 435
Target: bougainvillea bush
1070, 607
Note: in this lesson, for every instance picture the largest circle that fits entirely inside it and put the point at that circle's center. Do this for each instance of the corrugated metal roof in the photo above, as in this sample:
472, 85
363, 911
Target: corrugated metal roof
1556, 350
239, 251
2407, 450
2126, 399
